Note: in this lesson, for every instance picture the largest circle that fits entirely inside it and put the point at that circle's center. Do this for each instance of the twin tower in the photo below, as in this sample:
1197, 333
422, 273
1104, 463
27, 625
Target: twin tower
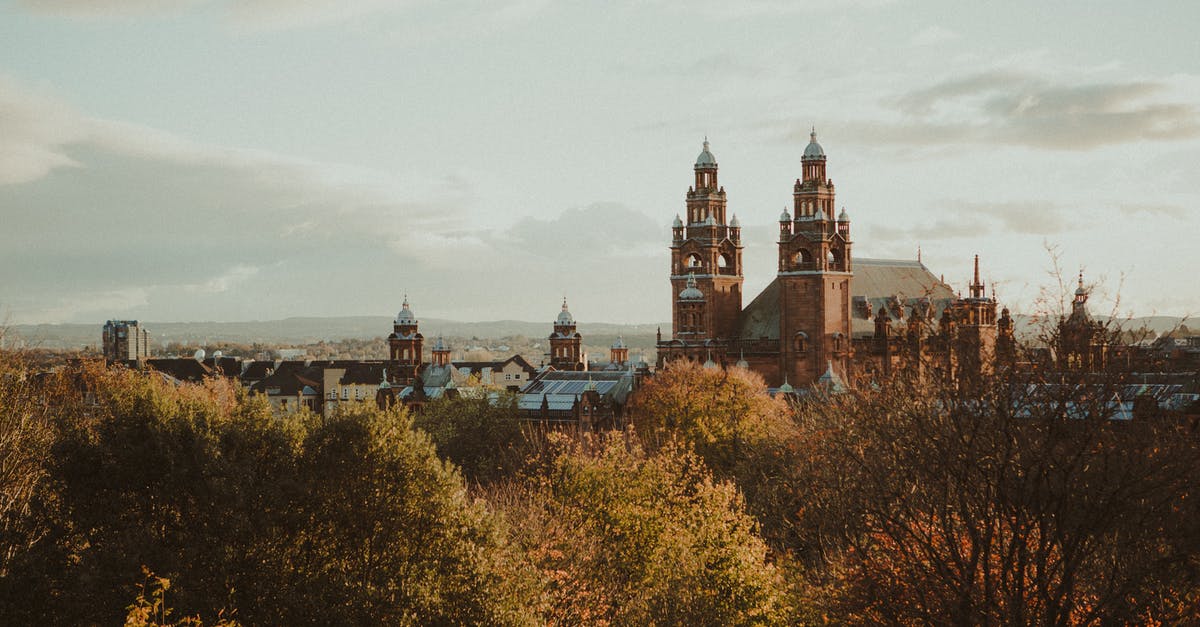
799, 328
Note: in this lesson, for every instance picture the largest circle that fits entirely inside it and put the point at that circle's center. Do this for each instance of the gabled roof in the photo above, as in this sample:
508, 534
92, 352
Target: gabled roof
875, 280
362, 373
291, 381
256, 370
182, 368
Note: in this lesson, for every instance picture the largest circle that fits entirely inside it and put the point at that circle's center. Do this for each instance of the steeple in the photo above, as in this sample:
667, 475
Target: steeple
565, 342
706, 261
706, 169
815, 272
441, 352
619, 353
977, 290
405, 345
813, 160
1079, 309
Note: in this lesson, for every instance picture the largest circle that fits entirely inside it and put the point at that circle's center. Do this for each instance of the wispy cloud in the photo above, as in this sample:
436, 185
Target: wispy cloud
1161, 210
269, 15
1018, 108
969, 219
106, 8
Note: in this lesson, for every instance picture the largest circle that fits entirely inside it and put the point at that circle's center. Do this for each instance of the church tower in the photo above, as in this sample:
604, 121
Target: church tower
706, 261
565, 342
815, 270
1081, 341
976, 340
405, 345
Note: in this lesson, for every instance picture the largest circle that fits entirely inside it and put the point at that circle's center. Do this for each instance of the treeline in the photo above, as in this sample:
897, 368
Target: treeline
910, 504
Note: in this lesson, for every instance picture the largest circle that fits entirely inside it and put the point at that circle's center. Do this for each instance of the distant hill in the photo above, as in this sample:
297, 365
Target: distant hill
309, 330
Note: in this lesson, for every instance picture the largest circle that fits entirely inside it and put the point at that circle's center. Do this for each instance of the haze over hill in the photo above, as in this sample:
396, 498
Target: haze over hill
303, 330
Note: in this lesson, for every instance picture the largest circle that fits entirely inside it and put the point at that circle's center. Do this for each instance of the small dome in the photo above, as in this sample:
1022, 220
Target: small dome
786, 388
843, 216
819, 215
814, 150
565, 317
677, 223
742, 363
785, 216
734, 223
706, 158
440, 345
709, 364
691, 292
620, 343
406, 315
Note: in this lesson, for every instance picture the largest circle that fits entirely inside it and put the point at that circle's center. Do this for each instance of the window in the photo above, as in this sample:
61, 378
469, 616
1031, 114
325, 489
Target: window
800, 342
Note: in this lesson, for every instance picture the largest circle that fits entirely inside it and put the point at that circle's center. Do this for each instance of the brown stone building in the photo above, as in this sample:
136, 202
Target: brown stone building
826, 316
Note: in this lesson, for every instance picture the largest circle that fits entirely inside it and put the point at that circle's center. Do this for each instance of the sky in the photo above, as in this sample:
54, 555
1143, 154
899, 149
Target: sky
222, 160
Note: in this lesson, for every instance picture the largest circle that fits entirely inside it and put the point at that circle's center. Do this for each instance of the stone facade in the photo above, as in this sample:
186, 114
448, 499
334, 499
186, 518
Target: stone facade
826, 316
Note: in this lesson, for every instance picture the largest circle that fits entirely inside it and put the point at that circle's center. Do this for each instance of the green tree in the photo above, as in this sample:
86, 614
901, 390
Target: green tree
390, 535
481, 436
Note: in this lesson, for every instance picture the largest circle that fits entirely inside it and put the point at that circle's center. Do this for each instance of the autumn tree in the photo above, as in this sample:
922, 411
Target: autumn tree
291, 520
481, 436
25, 439
1020, 502
722, 413
624, 537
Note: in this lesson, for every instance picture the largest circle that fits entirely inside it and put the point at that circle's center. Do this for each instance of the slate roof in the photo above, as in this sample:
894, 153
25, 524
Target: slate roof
561, 388
362, 373
257, 370
183, 368
291, 380
875, 281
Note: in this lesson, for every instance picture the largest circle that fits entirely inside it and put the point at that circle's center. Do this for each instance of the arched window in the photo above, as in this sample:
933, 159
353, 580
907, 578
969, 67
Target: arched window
800, 342
694, 261
802, 256
839, 341
724, 261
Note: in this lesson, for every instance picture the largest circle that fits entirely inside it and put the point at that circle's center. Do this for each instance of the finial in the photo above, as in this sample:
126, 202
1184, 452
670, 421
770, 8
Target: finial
1081, 277
976, 270
918, 253
564, 303
706, 142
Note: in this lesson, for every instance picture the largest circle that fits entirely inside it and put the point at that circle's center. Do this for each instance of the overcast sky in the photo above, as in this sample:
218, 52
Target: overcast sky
178, 160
